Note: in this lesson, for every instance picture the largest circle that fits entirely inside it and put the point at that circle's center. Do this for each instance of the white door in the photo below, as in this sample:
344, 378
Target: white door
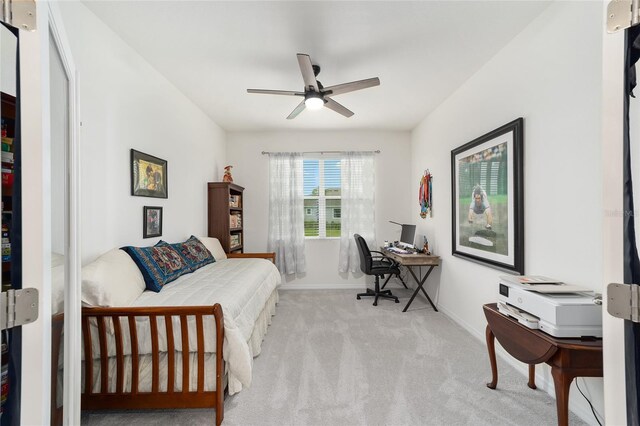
50, 216
612, 160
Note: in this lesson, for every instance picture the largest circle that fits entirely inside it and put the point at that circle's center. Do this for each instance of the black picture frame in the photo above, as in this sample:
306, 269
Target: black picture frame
148, 176
489, 170
151, 222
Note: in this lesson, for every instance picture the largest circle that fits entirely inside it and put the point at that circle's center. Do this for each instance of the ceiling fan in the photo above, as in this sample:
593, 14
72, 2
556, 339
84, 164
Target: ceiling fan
315, 95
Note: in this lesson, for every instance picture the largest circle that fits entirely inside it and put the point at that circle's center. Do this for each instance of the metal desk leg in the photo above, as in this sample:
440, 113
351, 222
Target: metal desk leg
420, 284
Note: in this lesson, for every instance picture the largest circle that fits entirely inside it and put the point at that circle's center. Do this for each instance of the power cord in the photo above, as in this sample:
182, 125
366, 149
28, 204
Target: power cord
593, 410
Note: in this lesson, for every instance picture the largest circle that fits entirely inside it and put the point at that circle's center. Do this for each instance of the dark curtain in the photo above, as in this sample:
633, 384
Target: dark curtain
631, 261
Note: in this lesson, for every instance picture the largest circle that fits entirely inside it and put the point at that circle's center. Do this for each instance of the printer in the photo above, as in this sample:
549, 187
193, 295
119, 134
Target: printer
561, 314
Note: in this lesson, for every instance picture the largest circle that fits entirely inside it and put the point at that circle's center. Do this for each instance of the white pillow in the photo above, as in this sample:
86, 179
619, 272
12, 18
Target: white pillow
113, 279
214, 246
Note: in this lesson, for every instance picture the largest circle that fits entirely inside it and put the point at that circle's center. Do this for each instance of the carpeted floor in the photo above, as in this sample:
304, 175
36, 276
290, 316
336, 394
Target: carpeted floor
329, 359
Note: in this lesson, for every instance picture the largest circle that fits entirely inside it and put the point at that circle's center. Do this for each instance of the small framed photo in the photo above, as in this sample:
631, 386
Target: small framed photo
148, 175
488, 199
152, 222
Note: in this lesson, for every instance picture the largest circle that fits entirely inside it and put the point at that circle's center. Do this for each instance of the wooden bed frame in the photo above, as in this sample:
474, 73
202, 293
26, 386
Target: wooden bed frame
185, 398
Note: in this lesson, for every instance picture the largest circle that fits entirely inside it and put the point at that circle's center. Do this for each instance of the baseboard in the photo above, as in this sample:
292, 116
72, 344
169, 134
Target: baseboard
297, 286
578, 406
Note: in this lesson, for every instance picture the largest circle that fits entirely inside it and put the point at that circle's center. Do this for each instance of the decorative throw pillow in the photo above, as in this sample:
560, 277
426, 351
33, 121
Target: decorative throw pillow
193, 252
159, 264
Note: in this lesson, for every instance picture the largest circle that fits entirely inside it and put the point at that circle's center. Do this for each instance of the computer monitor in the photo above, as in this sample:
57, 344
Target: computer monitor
408, 234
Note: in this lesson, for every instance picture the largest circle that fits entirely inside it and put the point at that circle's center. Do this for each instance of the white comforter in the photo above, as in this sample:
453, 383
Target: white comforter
241, 286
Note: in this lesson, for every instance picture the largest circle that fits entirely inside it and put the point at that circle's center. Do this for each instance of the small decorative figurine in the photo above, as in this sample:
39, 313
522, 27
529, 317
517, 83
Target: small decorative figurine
425, 247
227, 174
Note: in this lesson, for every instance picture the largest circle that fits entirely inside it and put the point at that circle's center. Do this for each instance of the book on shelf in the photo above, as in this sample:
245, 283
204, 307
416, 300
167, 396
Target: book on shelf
234, 201
235, 220
7, 179
7, 143
235, 240
7, 157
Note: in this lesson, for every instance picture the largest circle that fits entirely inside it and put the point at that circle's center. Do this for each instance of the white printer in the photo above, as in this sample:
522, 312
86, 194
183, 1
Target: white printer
561, 314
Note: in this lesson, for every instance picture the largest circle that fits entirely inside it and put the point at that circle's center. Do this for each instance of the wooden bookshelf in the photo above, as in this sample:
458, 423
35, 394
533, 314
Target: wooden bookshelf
226, 215
8, 109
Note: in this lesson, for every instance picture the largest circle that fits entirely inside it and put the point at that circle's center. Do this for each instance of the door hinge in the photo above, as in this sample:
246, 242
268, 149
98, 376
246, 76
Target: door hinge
623, 301
19, 13
621, 14
18, 307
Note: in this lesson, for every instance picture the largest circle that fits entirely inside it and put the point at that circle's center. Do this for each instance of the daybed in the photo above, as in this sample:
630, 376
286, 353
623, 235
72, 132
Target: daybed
217, 315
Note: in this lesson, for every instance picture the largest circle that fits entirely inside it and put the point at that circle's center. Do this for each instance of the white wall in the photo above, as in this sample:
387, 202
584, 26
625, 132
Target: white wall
124, 104
393, 189
550, 74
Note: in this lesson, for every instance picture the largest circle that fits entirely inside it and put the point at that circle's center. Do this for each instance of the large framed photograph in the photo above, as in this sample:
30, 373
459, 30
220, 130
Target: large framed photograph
488, 200
152, 222
148, 175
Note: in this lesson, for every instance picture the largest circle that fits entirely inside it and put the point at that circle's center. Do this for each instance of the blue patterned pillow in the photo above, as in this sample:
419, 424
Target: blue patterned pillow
159, 264
193, 252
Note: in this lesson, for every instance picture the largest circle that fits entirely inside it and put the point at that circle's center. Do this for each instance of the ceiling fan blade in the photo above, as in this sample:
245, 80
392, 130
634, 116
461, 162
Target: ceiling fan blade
296, 111
308, 75
338, 89
333, 105
275, 92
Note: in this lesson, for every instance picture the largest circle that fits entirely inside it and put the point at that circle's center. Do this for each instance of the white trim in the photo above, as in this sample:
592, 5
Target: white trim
333, 286
72, 292
36, 212
613, 352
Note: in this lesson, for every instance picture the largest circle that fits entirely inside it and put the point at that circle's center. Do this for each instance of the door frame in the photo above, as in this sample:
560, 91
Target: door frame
613, 239
36, 205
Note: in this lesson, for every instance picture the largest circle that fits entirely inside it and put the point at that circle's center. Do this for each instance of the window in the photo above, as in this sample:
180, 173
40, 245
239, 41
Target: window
322, 202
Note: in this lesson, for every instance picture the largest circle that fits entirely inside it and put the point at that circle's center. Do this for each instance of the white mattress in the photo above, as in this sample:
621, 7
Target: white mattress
241, 286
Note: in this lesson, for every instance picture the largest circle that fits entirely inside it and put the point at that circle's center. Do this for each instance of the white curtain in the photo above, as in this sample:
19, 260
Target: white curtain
358, 190
286, 212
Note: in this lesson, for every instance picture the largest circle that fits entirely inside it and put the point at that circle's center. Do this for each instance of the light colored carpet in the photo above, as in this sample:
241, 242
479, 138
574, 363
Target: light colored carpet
329, 359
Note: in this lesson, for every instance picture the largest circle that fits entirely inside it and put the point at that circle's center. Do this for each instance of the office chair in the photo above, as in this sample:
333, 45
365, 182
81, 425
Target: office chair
377, 266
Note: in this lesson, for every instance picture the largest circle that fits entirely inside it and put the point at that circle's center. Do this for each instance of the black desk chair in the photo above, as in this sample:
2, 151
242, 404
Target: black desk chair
378, 266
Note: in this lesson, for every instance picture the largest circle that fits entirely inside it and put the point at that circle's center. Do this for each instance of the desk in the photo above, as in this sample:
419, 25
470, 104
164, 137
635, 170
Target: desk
568, 358
410, 261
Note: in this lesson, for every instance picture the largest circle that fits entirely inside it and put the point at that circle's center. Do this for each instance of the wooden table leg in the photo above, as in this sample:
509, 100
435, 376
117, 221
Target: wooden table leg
492, 358
532, 376
562, 382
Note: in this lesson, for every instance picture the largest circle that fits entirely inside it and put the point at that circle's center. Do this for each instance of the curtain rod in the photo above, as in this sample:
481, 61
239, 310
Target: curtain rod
377, 151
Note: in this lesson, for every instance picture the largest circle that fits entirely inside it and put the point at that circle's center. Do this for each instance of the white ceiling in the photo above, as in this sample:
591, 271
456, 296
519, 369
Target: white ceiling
213, 51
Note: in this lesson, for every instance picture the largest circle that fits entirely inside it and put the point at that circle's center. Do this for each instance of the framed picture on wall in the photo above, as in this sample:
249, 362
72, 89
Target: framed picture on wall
487, 199
148, 175
152, 222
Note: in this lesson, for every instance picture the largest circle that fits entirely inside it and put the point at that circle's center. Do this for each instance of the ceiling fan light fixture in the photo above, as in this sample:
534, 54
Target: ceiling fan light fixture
313, 101
315, 94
